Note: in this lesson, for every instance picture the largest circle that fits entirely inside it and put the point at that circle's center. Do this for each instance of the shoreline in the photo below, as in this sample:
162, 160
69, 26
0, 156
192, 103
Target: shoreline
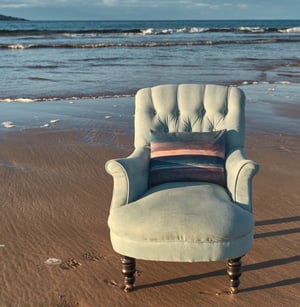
55, 198
269, 108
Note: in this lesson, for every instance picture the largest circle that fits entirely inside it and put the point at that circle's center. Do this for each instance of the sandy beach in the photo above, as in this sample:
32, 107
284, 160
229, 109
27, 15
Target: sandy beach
55, 197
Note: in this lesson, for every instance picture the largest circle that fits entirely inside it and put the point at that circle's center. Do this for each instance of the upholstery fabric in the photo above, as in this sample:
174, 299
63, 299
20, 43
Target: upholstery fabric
190, 108
185, 156
184, 221
174, 212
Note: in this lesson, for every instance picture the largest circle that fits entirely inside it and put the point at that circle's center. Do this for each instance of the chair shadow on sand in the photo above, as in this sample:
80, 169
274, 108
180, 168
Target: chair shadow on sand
249, 267
279, 232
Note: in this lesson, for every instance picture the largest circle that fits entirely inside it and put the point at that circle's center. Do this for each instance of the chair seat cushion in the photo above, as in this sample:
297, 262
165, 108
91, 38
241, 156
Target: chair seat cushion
164, 214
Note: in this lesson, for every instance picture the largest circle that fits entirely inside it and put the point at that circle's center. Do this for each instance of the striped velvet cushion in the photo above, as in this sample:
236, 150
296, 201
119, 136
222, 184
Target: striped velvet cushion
187, 156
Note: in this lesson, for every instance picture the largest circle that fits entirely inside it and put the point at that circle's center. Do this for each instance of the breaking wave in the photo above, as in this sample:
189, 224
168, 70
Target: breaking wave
120, 95
151, 44
74, 98
149, 31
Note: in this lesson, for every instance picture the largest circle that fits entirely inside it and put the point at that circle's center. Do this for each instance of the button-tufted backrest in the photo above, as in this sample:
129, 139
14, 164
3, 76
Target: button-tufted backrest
190, 108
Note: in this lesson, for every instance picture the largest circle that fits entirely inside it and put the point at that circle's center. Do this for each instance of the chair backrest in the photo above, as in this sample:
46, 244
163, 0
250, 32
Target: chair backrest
190, 108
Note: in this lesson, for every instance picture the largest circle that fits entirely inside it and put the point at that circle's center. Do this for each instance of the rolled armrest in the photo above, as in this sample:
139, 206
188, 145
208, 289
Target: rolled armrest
130, 176
240, 172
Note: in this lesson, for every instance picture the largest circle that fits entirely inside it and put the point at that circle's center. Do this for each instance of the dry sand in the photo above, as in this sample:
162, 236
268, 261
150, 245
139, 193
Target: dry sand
54, 203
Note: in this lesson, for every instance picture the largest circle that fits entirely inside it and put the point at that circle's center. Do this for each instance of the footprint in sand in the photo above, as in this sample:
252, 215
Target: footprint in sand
91, 256
64, 302
111, 283
70, 264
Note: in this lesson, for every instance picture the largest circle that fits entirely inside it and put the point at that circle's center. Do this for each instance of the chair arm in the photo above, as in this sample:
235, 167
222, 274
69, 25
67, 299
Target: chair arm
240, 172
130, 177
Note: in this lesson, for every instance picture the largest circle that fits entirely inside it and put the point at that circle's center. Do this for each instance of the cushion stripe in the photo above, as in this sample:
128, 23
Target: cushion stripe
213, 151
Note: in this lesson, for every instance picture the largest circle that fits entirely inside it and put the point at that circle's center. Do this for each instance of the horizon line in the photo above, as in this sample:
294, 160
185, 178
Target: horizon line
167, 19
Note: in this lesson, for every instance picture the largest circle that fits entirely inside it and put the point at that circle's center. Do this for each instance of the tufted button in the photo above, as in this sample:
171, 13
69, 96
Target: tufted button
202, 112
225, 110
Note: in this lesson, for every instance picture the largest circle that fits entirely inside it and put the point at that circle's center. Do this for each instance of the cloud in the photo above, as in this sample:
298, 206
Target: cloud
28, 3
218, 5
213, 5
7, 4
110, 2
38, 3
137, 3
206, 5
12, 6
150, 9
243, 6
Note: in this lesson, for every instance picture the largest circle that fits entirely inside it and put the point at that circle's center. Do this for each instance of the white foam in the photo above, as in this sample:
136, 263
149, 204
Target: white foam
22, 100
25, 100
51, 121
53, 261
266, 82
291, 30
252, 29
20, 46
71, 99
8, 124
167, 31
7, 100
17, 46
284, 82
198, 30
149, 31
54, 121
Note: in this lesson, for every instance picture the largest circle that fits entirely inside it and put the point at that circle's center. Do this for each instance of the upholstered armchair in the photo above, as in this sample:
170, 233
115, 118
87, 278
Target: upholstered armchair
191, 201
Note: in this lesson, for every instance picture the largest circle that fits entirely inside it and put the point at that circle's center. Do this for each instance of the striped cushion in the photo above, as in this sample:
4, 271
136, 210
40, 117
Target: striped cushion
186, 156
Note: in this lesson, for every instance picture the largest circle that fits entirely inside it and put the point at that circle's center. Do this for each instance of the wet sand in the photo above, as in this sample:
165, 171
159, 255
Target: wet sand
55, 197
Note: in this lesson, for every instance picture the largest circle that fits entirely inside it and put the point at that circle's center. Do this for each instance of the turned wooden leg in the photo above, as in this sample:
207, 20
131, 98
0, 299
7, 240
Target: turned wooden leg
234, 271
128, 270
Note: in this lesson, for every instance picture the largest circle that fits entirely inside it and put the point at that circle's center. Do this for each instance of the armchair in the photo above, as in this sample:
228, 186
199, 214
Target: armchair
161, 209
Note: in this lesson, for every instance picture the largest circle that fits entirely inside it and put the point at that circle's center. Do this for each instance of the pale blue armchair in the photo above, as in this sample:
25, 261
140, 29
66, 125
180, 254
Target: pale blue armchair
191, 201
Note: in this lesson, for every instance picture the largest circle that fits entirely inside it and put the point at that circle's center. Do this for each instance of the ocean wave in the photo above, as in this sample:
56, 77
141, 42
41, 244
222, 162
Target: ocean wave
73, 98
33, 32
145, 31
291, 30
265, 83
151, 44
126, 95
21, 100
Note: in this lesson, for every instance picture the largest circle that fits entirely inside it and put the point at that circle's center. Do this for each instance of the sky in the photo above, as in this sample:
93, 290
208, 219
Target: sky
150, 9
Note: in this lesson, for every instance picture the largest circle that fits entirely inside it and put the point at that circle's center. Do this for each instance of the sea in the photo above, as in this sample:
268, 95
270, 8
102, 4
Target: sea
73, 60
